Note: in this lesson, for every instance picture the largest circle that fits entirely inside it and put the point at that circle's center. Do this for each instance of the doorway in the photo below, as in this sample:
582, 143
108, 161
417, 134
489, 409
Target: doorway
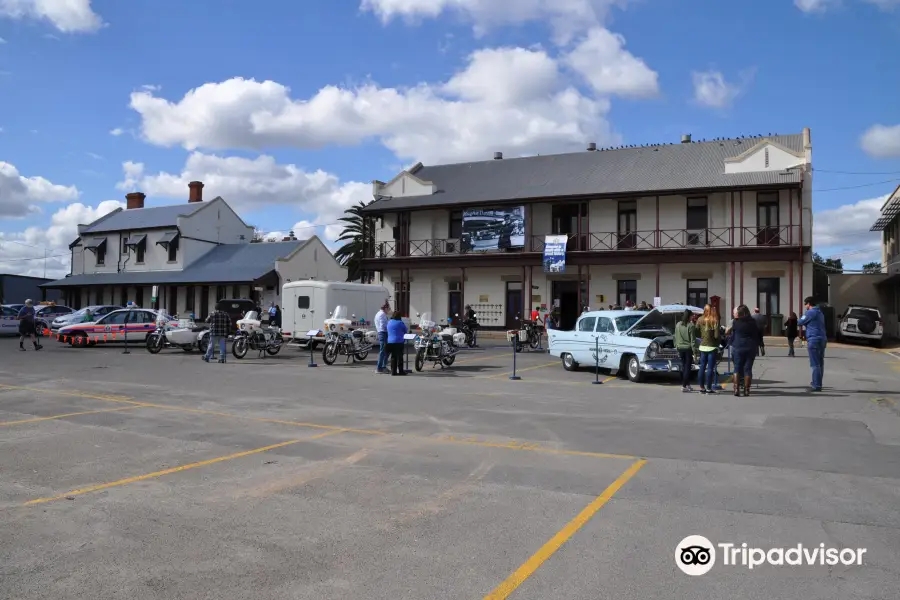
513, 304
454, 303
566, 292
768, 290
627, 224
565, 221
767, 231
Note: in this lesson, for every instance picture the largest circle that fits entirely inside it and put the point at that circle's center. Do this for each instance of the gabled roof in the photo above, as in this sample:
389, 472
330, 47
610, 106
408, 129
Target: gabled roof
143, 218
226, 263
666, 168
889, 211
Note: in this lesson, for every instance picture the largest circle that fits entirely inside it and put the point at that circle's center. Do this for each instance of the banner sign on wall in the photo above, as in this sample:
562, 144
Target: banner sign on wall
555, 253
496, 229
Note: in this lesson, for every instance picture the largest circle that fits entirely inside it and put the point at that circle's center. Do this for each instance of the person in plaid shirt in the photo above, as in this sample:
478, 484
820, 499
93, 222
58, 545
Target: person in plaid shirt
219, 328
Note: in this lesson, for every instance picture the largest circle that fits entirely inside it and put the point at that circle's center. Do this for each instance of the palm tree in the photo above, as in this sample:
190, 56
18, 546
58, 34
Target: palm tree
351, 253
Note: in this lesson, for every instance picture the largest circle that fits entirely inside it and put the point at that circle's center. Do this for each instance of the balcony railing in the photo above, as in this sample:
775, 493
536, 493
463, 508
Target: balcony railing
610, 241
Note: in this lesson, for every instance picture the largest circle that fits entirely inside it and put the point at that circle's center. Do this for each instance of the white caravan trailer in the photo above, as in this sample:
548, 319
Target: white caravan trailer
307, 303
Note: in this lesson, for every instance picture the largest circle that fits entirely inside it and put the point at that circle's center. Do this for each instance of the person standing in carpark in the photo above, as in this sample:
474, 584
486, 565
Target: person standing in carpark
88, 316
275, 321
816, 340
686, 344
744, 345
708, 326
381, 328
219, 328
27, 326
396, 330
791, 329
760, 320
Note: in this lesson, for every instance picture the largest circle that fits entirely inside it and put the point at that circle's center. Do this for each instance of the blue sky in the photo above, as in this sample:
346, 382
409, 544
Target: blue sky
101, 97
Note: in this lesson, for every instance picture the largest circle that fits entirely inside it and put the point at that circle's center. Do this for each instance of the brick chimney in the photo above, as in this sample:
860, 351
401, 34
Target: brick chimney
196, 194
134, 200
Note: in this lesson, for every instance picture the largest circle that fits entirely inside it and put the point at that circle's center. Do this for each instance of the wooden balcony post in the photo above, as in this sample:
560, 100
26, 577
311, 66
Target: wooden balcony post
657, 225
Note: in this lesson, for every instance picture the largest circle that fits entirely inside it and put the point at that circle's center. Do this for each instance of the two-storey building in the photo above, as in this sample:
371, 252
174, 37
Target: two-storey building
194, 254
681, 222
888, 224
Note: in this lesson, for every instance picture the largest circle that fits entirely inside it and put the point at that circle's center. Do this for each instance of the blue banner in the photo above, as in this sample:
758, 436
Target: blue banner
555, 253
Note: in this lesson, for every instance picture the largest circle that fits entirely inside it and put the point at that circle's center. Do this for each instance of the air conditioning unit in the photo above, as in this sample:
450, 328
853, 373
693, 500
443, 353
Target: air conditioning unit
696, 238
450, 247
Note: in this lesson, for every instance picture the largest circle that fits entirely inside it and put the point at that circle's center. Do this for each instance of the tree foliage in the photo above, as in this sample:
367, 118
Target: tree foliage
872, 267
351, 253
832, 265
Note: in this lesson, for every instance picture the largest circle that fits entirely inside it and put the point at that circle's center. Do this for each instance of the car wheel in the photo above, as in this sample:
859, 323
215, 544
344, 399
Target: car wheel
633, 369
568, 362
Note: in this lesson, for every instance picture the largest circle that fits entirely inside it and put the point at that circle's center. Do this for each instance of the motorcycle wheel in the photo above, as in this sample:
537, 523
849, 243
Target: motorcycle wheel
329, 353
239, 347
420, 360
534, 341
470, 341
203, 344
449, 360
154, 343
273, 350
362, 355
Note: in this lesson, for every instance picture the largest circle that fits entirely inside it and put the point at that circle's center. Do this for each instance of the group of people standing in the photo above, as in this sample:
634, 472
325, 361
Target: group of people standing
745, 339
390, 332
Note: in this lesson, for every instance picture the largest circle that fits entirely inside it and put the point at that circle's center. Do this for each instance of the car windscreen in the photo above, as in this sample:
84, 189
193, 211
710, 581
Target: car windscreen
863, 313
657, 321
627, 322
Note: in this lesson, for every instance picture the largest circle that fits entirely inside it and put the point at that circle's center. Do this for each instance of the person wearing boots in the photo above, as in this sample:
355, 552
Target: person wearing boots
396, 329
744, 346
27, 327
219, 328
686, 345
791, 330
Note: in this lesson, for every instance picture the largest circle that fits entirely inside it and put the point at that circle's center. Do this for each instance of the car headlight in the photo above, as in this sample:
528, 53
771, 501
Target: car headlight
653, 350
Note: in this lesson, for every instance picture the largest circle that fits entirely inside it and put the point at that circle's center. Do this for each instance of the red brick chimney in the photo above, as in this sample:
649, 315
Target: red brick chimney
196, 194
134, 200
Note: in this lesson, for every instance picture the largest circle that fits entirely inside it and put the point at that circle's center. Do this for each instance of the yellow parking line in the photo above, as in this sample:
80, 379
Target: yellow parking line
530, 446
480, 358
531, 565
203, 463
126, 400
610, 378
498, 375
74, 414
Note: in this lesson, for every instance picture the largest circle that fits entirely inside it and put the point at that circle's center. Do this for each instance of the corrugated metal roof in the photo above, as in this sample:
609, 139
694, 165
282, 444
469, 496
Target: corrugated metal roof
142, 218
662, 168
227, 263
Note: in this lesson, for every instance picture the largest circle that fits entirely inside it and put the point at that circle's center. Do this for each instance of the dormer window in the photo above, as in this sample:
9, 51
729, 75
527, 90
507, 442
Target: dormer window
169, 241
139, 244
98, 247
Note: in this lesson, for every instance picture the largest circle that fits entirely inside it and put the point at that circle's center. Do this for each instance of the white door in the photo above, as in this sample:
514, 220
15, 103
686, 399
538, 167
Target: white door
585, 340
9, 322
302, 305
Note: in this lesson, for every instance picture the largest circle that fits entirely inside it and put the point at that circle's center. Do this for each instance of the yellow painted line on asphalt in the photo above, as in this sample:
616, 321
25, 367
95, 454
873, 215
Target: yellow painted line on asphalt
480, 358
531, 565
74, 414
498, 375
156, 474
126, 400
529, 446
610, 378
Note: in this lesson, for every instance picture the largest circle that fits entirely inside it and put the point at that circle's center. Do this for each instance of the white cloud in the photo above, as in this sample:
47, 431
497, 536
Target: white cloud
117, 131
465, 118
23, 252
253, 184
844, 231
712, 90
811, 6
67, 16
604, 63
19, 194
882, 141
566, 17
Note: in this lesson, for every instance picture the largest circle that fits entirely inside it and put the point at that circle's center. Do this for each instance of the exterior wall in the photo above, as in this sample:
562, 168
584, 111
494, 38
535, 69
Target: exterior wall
846, 289
313, 261
215, 222
779, 160
406, 185
15, 289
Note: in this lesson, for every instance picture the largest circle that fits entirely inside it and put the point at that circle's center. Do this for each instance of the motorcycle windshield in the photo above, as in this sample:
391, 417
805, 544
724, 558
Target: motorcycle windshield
340, 312
426, 321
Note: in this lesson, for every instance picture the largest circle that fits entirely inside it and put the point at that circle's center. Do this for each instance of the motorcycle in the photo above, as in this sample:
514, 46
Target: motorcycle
529, 335
253, 335
468, 327
342, 340
437, 345
176, 333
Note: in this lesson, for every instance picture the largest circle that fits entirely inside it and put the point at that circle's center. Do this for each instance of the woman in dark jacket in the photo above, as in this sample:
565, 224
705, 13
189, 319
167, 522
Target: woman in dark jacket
791, 329
744, 345
396, 329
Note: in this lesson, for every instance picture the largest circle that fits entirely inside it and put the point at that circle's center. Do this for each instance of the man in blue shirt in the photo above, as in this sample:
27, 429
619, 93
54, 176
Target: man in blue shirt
814, 322
381, 327
27, 326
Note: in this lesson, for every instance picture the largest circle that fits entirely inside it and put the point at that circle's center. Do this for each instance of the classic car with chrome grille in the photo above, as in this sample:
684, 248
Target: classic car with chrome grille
638, 342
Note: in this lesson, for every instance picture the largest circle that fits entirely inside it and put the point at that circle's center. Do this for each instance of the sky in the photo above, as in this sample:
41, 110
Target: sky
289, 109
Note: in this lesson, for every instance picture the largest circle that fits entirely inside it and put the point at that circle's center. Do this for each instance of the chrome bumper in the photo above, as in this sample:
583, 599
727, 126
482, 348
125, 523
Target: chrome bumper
662, 365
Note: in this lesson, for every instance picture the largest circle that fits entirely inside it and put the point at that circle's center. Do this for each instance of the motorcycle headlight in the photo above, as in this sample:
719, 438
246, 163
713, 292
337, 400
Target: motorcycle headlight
653, 350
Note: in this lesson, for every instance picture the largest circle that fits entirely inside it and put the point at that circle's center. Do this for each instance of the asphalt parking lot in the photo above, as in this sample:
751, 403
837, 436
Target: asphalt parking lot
138, 476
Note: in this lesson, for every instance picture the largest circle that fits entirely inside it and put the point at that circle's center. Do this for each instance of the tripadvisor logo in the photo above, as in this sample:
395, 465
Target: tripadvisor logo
696, 555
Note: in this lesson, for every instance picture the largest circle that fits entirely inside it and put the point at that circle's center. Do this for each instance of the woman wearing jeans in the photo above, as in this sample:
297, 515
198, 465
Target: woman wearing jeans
686, 344
743, 349
708, 326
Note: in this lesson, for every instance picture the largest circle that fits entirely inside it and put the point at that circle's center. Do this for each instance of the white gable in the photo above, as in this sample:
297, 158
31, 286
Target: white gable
406, 184
765, 156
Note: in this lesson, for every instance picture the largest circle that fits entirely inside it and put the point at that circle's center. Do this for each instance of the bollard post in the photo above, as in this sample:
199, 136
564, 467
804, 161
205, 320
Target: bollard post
515, 377
596, 380
407, 337
312, 333
126, 334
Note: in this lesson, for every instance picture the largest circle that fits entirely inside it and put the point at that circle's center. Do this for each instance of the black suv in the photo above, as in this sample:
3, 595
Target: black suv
236, 309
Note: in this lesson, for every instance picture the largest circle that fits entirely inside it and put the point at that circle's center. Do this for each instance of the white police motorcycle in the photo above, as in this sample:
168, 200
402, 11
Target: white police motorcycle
172, 332
436, 344
253, 335
344, 337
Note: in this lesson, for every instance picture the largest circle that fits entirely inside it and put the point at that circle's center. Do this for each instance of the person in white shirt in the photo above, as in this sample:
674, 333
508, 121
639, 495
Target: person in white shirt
381, 323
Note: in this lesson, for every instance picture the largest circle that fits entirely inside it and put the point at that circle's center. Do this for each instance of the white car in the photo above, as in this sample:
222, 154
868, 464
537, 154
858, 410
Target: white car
861, 323
112, 328
9, 321
637, 342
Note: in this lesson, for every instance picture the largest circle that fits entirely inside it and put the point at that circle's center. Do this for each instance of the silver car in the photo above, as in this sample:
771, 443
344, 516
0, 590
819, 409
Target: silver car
45, 314
79, 315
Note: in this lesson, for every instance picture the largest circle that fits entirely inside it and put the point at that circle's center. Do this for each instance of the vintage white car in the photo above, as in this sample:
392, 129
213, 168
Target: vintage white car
637, 341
